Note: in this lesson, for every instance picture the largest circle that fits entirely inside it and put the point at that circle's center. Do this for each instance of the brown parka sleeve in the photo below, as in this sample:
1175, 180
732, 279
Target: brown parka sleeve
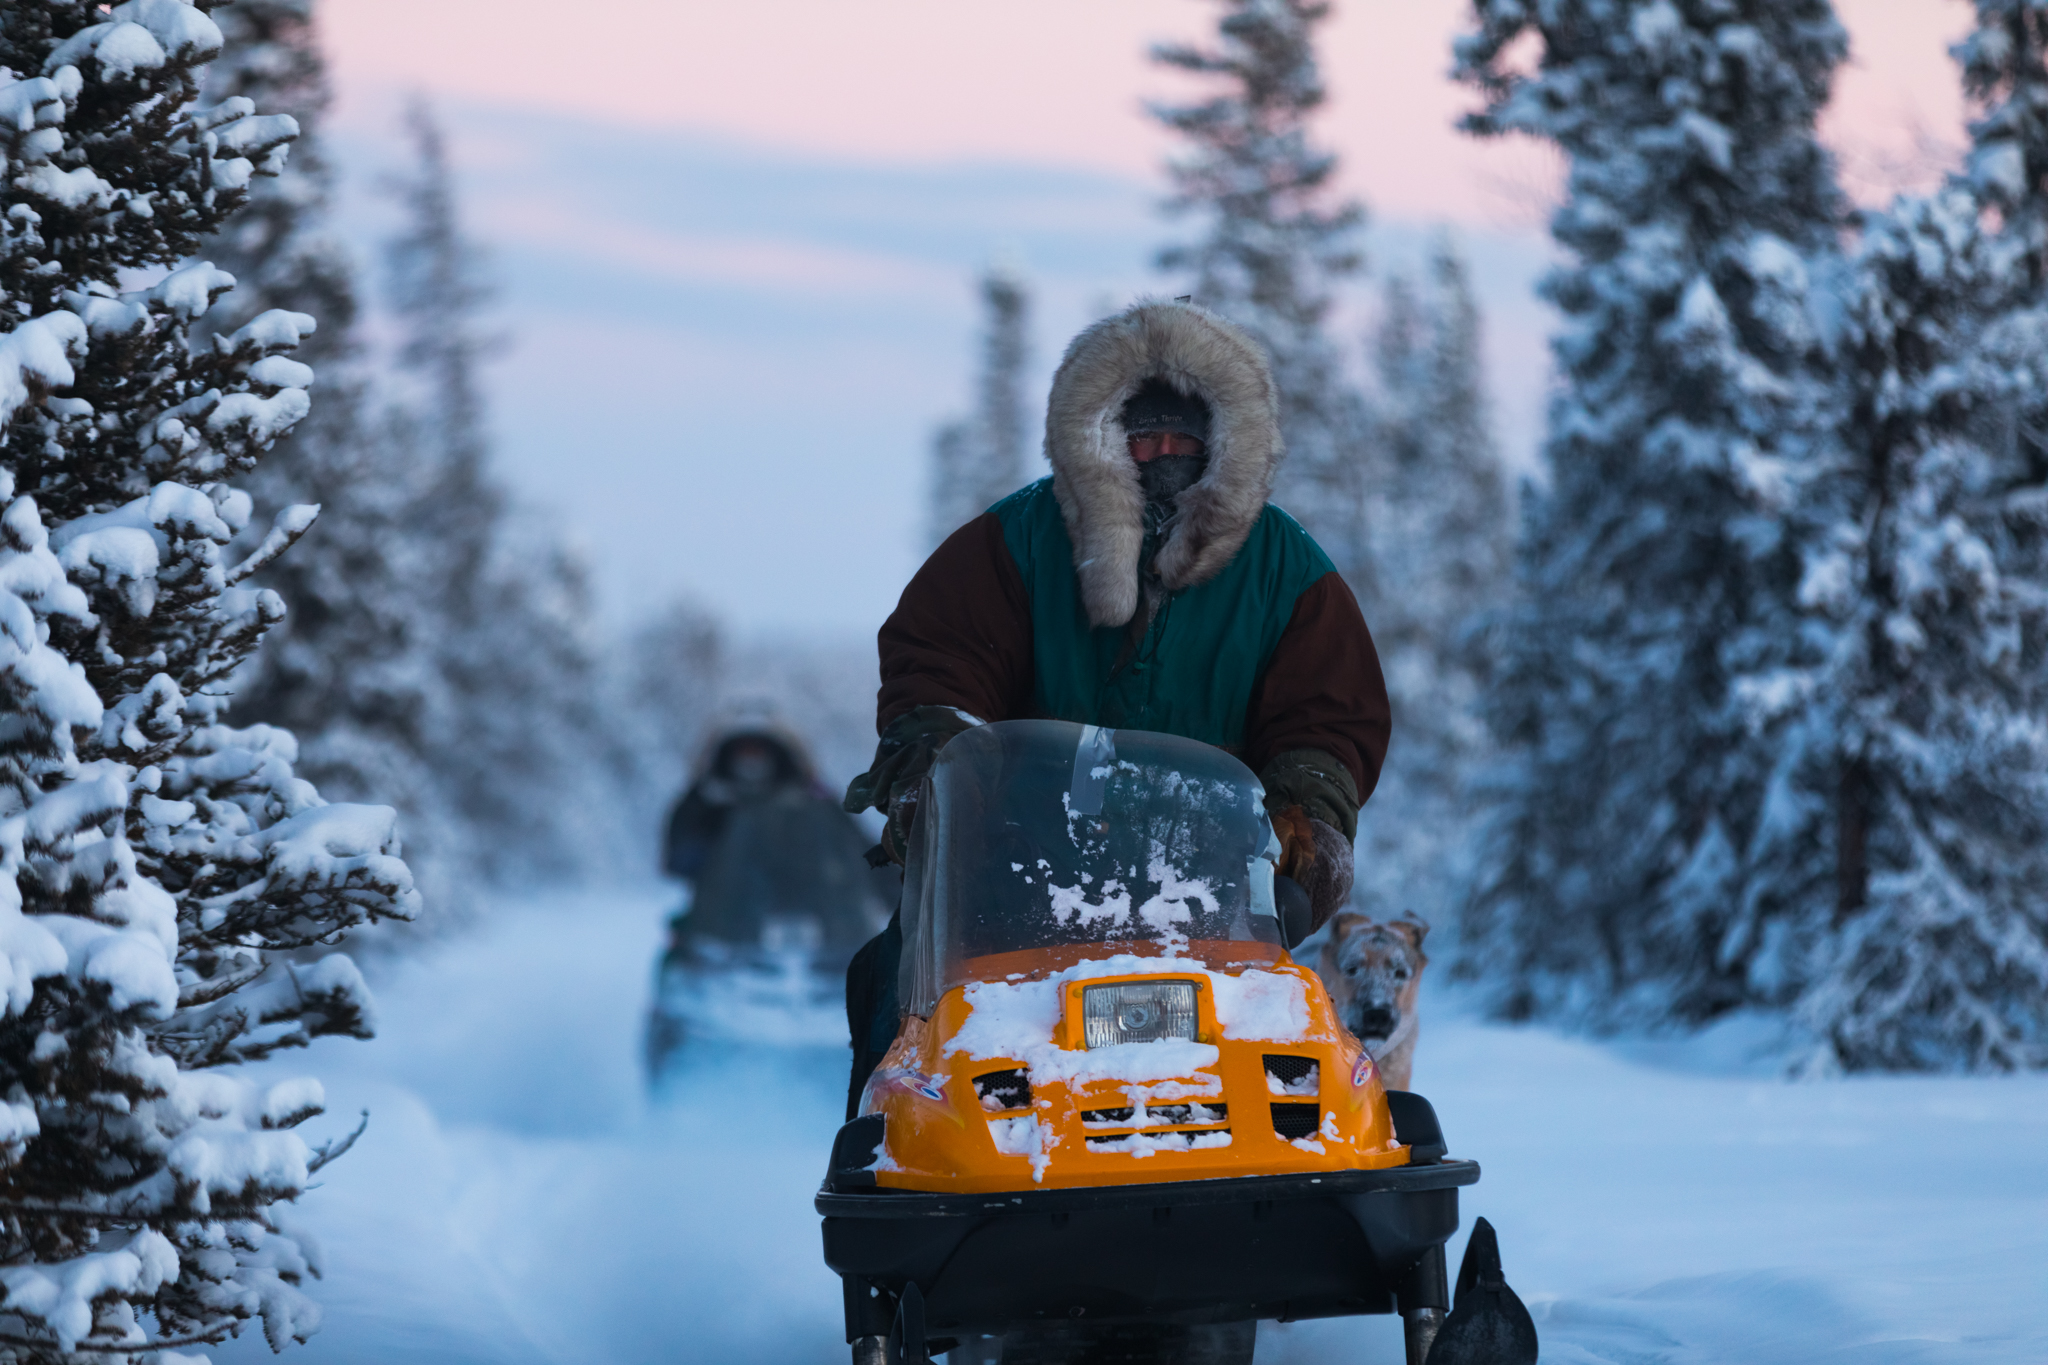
961, 633
1323, 689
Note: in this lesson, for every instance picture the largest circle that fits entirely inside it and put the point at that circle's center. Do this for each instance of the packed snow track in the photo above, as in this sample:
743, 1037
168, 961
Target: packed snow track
520, 1198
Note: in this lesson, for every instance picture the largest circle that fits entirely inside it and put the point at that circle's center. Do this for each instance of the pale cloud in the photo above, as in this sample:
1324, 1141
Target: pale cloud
1054, 82
736, 241
551, 224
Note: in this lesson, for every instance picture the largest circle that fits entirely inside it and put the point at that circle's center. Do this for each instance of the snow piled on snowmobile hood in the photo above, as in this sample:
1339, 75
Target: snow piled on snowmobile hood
1015, 1020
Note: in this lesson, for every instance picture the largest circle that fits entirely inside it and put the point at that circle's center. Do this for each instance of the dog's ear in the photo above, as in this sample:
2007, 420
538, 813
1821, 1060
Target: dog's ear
1346, 923
1412, 927
1341, 928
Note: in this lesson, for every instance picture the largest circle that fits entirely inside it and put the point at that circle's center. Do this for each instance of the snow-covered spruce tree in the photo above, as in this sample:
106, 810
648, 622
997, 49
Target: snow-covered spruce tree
979, 460
1447, 537
512, 723
1274, 240
278, 245
1935, 947
438, 291
160, 872
1443, 537
342, 671
2005, 72
1649, 688
1934, 950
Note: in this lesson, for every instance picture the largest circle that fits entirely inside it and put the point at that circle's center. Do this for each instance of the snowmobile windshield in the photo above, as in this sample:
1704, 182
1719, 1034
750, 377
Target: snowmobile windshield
1045, 842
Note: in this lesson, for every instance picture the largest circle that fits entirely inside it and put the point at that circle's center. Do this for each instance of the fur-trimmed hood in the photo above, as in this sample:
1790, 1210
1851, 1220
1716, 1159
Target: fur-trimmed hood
1095, 479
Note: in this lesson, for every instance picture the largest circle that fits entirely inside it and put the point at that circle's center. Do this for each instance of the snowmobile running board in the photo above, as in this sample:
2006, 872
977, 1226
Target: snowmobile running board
1282, 1247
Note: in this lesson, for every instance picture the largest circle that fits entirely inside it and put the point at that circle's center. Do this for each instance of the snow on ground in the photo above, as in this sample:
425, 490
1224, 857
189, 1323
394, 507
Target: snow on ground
1655, 1204
518, 1198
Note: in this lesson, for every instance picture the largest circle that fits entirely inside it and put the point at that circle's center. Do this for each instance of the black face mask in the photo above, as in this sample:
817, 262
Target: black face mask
1166, 478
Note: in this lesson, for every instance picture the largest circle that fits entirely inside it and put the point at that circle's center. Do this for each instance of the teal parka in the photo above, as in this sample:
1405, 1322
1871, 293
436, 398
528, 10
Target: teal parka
1236, 631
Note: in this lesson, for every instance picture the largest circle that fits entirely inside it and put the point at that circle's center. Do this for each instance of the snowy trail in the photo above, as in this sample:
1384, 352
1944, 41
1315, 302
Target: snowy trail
1672, 1212
518, 1199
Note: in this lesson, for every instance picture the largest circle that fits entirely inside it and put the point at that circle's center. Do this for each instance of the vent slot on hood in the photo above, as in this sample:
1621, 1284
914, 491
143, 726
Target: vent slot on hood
1002, 1091
1287, 1075
1293, 1121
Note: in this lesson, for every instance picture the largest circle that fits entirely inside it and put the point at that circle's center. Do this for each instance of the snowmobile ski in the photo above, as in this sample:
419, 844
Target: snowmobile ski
1489, 1324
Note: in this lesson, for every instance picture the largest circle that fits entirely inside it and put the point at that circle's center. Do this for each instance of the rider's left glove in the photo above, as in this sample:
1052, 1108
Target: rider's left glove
1314, 803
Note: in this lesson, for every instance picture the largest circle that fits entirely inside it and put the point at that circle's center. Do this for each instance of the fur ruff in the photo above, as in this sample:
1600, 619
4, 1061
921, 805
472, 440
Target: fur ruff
1095, 479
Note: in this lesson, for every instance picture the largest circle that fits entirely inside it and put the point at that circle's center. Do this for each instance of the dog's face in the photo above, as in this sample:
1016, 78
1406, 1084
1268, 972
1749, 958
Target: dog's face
1372, 971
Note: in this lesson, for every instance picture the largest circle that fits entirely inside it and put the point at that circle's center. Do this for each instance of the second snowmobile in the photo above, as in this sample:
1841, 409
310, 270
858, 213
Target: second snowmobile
780, 897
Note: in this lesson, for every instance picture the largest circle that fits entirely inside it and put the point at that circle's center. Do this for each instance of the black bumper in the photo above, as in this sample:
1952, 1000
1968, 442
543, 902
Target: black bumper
1205, 1251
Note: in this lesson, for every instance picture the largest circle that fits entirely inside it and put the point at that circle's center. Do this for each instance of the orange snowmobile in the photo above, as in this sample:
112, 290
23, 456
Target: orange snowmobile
1118, 1122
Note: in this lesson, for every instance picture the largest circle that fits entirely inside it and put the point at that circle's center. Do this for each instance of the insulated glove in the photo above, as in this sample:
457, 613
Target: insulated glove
1314, 805
1318, 857
904, 756
1316, 782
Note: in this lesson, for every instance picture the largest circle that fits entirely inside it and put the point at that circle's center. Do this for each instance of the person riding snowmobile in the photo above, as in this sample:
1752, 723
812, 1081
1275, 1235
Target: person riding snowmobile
766, 852
1146, 584
743, 764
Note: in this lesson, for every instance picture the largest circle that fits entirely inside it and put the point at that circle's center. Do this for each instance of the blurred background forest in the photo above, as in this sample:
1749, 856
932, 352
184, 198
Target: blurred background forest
1713, 632
1669, 379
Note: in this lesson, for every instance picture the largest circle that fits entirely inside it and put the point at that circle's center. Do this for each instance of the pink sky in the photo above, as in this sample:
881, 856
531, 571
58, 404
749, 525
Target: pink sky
1050, 81
893, 86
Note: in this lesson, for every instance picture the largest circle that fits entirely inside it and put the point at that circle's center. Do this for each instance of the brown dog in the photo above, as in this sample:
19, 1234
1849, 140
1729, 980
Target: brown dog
1373, 972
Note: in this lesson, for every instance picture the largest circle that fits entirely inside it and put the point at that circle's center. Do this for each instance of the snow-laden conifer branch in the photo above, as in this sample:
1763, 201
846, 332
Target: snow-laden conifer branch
1655, 666
157, 865
1272, 240
206, 1336
292, 522
337, 1147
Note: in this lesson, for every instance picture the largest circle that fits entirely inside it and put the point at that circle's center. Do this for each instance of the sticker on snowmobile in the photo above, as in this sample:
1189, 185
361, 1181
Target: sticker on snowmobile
1362, 1069
917, 1083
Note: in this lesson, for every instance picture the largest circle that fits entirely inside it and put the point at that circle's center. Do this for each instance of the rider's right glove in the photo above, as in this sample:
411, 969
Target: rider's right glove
904, 756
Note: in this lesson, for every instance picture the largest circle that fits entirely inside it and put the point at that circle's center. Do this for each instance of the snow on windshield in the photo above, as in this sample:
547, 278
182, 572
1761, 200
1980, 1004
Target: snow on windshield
1163, 912
1168, 849
1070, 904
1170, 907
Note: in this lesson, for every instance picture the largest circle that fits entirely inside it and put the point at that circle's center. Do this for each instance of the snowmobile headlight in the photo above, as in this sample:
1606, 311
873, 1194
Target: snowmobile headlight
1138, 1012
